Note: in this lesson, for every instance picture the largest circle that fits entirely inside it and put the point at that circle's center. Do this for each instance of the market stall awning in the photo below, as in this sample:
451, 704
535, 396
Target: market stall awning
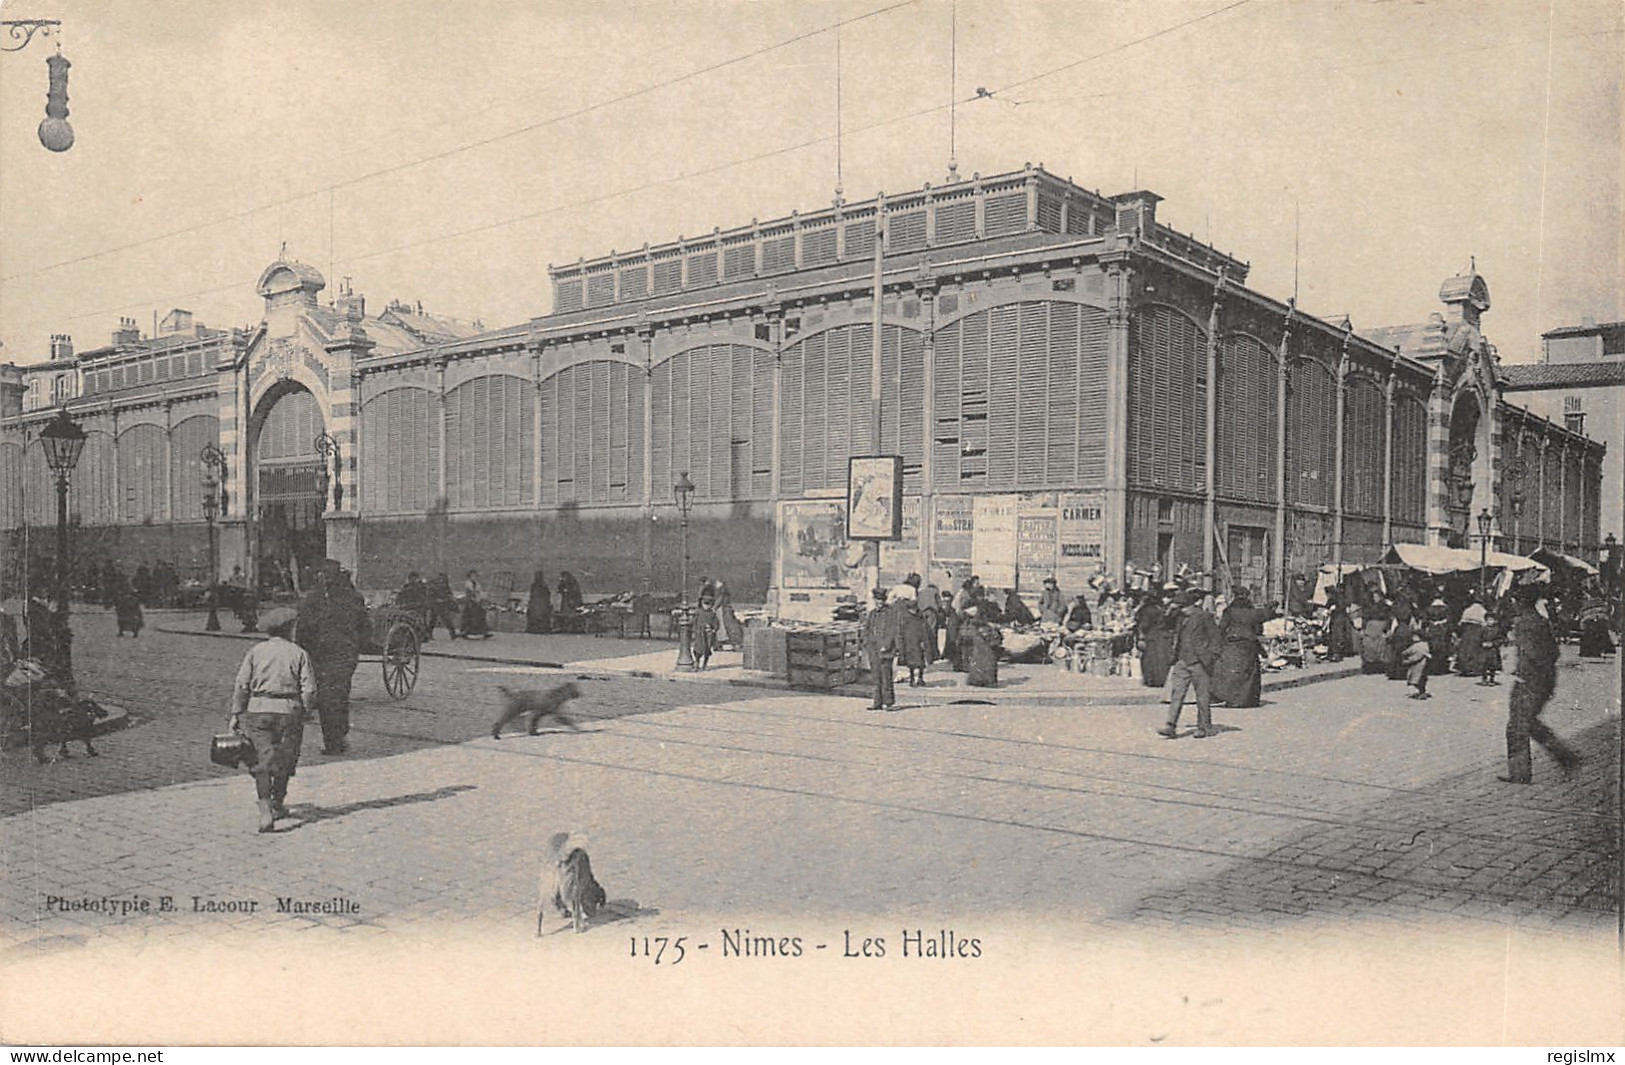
1558, 560
1438, 560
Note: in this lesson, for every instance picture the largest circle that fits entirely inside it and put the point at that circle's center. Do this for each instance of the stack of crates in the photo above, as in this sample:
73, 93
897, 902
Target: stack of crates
767, 648
826, 656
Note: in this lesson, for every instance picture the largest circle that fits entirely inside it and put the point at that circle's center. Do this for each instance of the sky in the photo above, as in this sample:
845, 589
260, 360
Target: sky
447, 151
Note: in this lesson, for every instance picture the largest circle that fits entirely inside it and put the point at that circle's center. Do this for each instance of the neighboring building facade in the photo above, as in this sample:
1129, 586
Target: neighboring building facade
1074, 388
1580, 383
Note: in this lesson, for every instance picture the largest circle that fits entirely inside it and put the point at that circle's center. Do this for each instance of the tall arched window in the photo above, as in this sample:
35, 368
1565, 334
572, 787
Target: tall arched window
401, 451
1246, 420
1167, 431
600, 458
490, 443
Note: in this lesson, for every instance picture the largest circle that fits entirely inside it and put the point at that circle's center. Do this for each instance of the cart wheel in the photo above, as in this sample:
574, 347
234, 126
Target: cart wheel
400, 659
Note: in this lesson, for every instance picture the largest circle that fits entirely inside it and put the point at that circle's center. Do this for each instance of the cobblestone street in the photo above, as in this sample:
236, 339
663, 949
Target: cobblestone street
1054, 835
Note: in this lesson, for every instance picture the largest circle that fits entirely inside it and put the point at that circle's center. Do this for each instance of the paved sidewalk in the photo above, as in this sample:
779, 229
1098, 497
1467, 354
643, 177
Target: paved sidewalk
1019, 683
1338, 844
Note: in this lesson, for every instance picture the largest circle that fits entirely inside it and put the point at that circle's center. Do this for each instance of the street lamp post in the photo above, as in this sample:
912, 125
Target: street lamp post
62, 440
1485, 520
214, 463
684, 491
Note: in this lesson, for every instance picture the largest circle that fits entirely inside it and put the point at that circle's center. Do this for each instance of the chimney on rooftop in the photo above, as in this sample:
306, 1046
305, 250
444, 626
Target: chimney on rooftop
127, 333
61, 346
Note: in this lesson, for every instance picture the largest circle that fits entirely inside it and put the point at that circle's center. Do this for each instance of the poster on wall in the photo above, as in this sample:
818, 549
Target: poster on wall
993, 540
1081, 535
813, 549
1035, 549
874, 497
901, 557
951, 540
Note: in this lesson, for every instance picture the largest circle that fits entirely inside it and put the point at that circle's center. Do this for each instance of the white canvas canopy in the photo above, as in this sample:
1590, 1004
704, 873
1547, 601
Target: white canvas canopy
1440, 560
1551, 558
1330, 576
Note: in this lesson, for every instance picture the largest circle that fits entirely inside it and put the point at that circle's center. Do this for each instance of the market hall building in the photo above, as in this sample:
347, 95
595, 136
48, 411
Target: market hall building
1073, 387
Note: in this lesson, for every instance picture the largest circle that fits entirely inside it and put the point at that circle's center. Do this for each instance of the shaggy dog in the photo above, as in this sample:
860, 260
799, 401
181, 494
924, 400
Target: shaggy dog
535, 705
567, 883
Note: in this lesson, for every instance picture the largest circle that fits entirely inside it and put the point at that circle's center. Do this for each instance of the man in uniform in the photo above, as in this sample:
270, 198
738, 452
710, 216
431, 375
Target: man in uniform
332, 621
1536, 674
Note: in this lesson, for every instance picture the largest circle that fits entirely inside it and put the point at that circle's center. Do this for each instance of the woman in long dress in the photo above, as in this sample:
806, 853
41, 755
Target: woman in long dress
1470, 639
539, 610
911, 644
474, 622
569, 602
981, 651
724, 606
1339, 628
1156, 640
1236, 681
1374, 651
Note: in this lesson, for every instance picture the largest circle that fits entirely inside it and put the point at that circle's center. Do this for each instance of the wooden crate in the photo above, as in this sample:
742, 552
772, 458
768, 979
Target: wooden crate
824, 656
767, 648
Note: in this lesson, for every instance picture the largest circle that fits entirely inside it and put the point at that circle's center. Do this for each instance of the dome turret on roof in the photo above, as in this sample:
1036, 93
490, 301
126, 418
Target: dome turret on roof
287, 276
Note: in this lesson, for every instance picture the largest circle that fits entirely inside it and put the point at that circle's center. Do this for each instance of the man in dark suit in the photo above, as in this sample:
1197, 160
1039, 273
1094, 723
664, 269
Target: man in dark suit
1536, 680
882, 631
1197, 645
332, 624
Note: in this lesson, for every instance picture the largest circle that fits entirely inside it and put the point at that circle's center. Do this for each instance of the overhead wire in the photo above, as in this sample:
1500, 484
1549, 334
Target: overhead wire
483, 142
706, 171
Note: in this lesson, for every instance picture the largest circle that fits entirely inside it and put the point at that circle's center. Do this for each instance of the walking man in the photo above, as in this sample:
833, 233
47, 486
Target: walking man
1197, 645
1536, 674
332, 619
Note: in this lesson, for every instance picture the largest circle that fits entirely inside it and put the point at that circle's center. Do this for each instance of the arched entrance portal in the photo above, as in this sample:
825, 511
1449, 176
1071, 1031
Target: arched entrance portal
290, 487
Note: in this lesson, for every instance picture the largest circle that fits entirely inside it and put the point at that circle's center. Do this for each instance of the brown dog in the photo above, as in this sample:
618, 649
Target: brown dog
567, 882
534, 706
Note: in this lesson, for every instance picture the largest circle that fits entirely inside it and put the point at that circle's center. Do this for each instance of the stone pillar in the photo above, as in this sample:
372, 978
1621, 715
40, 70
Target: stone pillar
118, 481
1541, 446
928, 470
1283, 372
536, 422
1388, 456
646, 338
1210, 531
1438, 461
1563, 496
442, 504
234, 532
1119, 284
1337, 483
774, 313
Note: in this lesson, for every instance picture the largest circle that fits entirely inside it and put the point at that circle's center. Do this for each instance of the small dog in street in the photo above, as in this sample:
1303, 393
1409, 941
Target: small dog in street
567, 882
535, 705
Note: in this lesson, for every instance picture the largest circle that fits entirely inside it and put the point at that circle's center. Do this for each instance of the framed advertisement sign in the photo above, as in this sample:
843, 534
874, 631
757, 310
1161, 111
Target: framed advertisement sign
874, 497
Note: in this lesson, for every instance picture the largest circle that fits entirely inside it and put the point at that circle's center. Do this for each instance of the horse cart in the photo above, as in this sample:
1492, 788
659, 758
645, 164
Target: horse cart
396, 634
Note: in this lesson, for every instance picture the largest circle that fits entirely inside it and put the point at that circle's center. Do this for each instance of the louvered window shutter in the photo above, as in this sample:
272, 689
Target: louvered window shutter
973, 400
761, 435
793, 443
1003, 396
1033, 387
817, 443
1092, 399
945, 434
681, 461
